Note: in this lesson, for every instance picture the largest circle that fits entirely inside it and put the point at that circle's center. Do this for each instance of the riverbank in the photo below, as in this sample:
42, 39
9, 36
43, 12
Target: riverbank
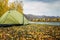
30, 32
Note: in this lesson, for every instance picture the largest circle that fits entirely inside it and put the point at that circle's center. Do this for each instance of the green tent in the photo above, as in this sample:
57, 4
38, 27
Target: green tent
13, 17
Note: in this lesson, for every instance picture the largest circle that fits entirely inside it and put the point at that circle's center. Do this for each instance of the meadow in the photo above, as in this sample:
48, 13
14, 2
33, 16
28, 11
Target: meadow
30, 32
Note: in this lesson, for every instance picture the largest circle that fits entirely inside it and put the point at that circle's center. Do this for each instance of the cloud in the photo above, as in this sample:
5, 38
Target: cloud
43, 0
35, 7
55, 8
11, 0
42, 8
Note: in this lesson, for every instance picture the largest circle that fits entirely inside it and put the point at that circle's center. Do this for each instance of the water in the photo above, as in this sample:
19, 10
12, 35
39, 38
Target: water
48, 23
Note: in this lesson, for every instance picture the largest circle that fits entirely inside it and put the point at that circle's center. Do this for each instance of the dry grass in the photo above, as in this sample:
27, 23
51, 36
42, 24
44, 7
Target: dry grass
30, 32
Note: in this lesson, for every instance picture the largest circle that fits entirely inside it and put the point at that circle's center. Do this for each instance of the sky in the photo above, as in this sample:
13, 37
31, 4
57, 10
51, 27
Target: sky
42, 7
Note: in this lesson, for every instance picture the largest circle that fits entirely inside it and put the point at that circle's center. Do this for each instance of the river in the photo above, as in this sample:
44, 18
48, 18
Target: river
48, 23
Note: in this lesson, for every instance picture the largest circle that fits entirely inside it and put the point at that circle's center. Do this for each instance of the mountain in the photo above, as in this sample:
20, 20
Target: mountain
30, 16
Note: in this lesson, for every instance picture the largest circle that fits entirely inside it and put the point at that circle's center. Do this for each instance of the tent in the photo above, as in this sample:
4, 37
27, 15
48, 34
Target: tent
13, 17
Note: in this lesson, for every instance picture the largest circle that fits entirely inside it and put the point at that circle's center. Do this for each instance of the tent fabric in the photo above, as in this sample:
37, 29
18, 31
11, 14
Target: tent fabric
13, 17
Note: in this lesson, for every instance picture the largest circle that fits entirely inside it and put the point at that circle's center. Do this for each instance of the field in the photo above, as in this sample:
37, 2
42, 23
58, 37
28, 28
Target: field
30, 32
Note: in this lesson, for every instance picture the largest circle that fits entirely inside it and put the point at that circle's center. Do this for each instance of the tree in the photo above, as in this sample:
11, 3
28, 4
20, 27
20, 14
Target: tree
12, 6
3, 6
16, 6
20, 8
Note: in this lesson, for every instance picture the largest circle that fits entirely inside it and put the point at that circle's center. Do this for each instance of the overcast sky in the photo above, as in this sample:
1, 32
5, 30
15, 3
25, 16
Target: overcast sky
42, 7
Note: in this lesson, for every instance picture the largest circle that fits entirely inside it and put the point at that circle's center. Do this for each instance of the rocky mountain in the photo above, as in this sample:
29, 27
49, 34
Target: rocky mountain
30, 16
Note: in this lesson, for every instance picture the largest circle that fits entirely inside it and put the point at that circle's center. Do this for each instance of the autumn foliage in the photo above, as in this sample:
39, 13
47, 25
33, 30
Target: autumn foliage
4, 7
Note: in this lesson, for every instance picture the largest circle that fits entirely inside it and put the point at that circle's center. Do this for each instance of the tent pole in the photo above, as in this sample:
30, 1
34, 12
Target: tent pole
23, 13
23, 19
